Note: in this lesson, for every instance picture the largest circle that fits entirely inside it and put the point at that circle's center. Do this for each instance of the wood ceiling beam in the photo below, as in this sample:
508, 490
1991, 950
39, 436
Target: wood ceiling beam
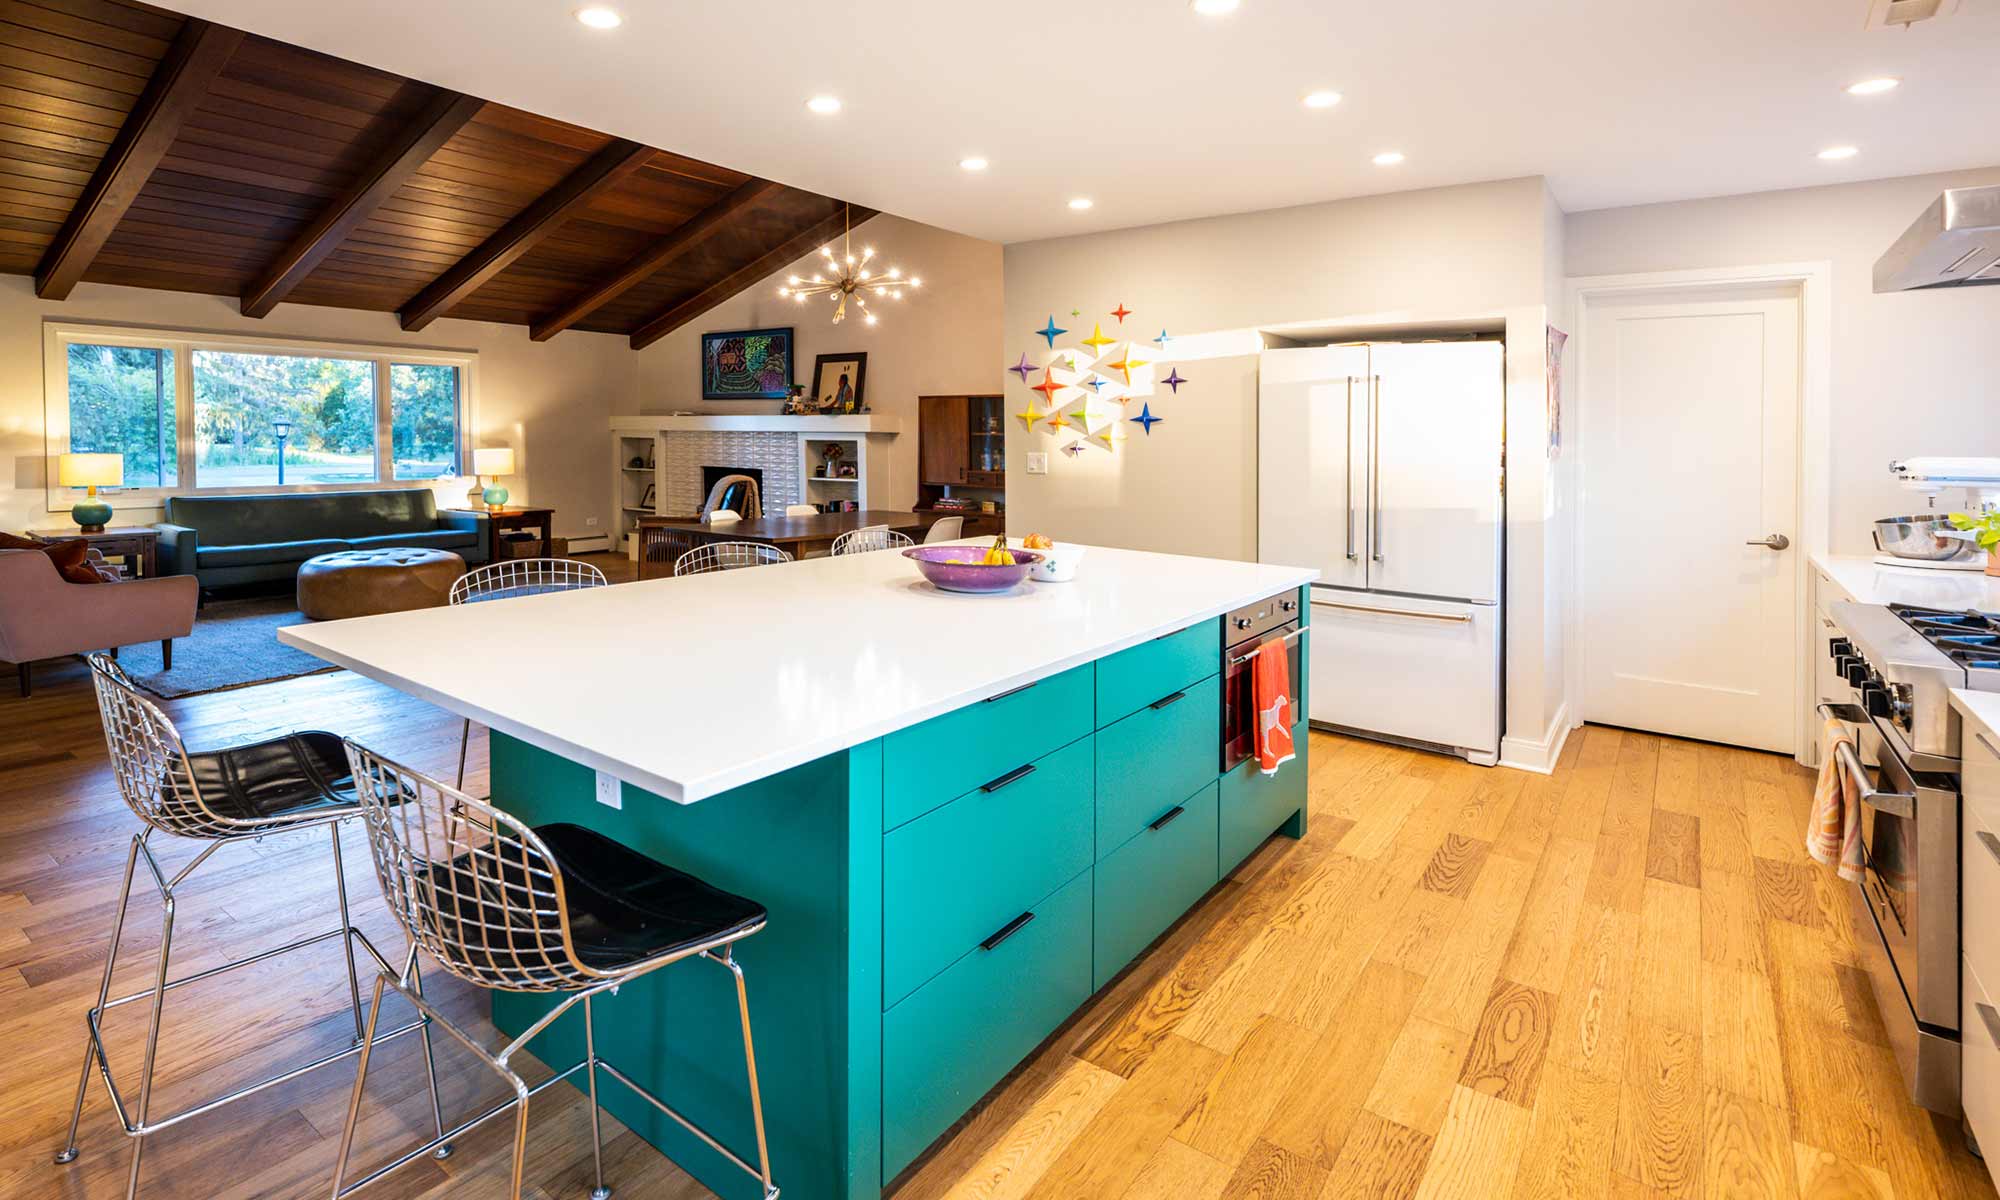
197, 55
605, 170
402, 158
654, 258
785, 253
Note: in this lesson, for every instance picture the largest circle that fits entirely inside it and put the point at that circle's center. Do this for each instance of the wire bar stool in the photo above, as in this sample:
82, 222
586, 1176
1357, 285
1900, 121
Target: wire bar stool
497, 904
296, 782
869, 538
728, 556
507, 580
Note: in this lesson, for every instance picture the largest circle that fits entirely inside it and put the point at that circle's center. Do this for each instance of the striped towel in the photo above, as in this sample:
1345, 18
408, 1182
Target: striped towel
1833, 833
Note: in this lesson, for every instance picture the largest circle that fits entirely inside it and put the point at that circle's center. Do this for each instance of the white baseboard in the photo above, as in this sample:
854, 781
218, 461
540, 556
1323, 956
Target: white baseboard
1538, 755
589, 545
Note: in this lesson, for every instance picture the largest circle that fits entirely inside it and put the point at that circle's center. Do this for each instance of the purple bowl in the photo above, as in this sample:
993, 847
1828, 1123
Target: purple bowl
958, 569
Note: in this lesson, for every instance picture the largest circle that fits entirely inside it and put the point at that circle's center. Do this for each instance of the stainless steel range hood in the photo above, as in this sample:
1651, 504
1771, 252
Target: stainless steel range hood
1956, 242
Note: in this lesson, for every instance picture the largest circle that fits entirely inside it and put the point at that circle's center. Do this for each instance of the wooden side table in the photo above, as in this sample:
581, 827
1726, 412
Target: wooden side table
499, 520
138, 545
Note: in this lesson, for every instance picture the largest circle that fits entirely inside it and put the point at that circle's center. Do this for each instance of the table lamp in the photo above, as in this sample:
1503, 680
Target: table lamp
493, 462
91, 471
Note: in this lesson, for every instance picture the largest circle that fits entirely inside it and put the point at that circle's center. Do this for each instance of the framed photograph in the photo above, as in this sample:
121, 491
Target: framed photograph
747, 364
838, 380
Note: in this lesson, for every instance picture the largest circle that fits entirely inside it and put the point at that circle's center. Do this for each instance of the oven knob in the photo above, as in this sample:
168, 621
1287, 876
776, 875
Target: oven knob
1875, 698
1288, 605
1839, 648
1243, 622
1856, 672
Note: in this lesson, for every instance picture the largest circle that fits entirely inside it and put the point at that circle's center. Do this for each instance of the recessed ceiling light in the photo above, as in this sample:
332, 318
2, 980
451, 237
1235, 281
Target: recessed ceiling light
825, 106
1388, 158
974, 163
1836, 153
1080, 203
1215, 8
1322, 99
597, 16
1874, 87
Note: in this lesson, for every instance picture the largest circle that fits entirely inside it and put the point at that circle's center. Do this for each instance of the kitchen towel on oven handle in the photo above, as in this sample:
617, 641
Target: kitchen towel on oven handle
1271, 692
1833, 832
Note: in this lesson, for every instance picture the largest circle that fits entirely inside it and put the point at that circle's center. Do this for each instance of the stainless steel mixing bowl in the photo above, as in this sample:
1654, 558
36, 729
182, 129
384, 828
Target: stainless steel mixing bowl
1930, 538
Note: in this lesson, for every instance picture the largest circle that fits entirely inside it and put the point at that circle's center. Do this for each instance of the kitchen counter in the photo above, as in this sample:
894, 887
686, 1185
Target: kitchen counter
1869, 582
1981, 709
965, 815
690, 687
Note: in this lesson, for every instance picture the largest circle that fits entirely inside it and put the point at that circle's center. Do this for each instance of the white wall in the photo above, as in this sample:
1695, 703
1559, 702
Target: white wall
1486, 253
1912, 372
551, 402
942, 339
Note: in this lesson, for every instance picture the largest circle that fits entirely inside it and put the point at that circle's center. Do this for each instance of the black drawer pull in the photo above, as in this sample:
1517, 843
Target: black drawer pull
1006, 931
1163, 701
1168, 818
1010, 692
1009, 777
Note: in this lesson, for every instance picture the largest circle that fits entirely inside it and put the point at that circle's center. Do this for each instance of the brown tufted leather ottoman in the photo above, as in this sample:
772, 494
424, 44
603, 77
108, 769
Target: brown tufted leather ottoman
361, 583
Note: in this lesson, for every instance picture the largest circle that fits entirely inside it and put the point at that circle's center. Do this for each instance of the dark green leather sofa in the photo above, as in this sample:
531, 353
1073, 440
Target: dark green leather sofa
224, 540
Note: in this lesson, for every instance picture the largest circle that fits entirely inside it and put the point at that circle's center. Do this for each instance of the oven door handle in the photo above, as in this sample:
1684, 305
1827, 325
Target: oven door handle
1239, 659
1896, 804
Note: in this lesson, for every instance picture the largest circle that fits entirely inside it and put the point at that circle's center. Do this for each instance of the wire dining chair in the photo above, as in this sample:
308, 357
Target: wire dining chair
869, 538
945, 529
728, 556
507, 580
554, 908
801, 510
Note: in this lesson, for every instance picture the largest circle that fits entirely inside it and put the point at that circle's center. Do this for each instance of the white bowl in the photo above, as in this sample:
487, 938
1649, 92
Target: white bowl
1058, 563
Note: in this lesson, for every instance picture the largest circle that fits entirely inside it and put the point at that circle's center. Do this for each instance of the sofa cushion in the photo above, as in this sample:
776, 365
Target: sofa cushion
257, 554
428, 539
303, 516
72, 557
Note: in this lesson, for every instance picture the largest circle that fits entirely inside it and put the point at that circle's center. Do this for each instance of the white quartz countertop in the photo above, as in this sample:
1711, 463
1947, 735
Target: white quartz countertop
1980, 708
1869, 582
690, 687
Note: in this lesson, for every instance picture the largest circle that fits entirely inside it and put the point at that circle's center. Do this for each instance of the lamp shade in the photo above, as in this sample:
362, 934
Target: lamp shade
91, 470
493, 460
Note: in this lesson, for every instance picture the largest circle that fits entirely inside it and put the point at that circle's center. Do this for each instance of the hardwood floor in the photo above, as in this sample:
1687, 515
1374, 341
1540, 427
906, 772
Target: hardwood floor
1624, 979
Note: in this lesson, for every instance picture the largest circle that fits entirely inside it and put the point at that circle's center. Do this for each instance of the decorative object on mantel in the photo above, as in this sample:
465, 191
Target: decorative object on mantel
800, 404
493, 462
838, 382
1077, 381
850, 278
91, 471
747, 364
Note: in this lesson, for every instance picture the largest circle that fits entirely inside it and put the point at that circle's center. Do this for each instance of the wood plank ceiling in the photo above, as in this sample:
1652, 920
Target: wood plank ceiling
143, 148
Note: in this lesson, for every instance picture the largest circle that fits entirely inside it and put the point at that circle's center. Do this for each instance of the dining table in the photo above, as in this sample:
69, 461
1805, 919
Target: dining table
662, 539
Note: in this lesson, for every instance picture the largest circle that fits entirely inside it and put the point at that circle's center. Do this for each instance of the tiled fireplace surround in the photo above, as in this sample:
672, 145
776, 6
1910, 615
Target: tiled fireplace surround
687, 452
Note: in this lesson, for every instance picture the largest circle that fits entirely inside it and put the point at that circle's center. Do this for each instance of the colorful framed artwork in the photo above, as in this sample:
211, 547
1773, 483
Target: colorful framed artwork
747, 364
838, 381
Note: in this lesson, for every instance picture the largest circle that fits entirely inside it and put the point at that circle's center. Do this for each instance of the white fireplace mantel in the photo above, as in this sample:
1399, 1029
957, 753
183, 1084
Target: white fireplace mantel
866, 423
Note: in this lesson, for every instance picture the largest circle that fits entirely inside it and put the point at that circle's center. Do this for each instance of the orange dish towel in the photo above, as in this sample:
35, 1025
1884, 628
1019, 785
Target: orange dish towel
1271, 685
1833, 834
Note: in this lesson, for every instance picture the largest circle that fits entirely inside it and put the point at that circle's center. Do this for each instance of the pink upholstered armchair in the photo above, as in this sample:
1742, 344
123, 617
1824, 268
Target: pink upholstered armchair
42, 615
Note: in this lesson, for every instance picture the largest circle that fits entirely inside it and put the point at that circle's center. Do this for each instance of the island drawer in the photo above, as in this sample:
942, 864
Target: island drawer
957, 1035
1131, 679
1254, 804
959, 872
1146, 884
947, 756
1155, 758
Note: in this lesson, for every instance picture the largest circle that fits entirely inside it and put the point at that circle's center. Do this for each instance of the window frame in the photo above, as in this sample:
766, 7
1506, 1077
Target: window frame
58, 336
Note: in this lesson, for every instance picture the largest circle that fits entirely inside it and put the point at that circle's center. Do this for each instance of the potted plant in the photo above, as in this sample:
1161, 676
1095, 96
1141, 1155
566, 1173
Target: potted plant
1985, 530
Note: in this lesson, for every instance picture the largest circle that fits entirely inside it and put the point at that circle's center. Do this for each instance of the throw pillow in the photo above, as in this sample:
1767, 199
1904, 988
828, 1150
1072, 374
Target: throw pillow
69, 558
14, 541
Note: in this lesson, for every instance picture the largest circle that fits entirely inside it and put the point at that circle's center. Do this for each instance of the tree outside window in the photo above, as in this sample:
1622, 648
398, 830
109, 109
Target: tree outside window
423, 420
329, 401
121, 401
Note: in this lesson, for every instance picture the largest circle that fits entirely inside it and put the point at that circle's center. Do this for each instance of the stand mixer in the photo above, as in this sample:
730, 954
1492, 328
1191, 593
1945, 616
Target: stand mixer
1928, 540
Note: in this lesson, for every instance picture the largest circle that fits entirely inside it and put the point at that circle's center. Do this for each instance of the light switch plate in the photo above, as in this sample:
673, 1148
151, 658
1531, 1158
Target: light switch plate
610, 793
1038, 464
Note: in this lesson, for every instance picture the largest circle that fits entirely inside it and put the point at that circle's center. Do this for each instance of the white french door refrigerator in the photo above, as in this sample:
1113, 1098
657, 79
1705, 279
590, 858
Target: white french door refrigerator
1381, 464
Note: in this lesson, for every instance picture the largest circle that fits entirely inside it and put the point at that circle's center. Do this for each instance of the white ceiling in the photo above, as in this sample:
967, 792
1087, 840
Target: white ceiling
1158, 113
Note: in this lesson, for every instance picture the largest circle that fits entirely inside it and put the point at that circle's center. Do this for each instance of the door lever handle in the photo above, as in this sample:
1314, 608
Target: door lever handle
1776, 541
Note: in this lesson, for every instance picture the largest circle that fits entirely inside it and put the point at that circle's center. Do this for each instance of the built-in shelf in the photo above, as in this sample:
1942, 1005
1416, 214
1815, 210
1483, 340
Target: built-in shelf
640, 470
833, 479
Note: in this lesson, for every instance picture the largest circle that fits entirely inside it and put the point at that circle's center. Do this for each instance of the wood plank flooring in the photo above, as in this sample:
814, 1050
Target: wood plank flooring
1624, 979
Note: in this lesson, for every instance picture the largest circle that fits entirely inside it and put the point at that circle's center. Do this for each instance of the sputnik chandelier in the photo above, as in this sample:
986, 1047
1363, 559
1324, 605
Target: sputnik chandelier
848, 276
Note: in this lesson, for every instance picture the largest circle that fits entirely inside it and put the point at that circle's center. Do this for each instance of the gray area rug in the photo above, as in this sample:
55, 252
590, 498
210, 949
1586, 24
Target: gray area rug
234, 644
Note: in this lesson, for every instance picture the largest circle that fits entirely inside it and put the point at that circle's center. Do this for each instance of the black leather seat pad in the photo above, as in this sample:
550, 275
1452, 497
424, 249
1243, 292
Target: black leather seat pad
283, 777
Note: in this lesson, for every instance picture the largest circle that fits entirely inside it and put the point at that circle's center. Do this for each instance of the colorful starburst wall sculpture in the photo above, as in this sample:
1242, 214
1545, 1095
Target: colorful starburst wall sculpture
1080, 396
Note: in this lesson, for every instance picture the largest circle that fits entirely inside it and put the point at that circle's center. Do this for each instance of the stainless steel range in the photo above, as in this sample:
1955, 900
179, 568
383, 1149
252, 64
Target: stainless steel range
1900, 663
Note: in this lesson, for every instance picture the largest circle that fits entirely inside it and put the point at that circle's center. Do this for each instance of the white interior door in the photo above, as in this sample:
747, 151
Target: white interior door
1689, 459
1436, 431
1311, 476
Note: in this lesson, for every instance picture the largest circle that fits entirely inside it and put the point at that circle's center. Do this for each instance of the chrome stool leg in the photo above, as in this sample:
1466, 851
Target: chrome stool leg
152, 1038
68, 1153
346, 922
464, 744
728, 959
599, 1192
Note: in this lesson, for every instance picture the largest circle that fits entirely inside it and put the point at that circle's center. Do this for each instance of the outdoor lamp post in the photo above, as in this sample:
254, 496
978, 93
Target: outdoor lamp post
282, 426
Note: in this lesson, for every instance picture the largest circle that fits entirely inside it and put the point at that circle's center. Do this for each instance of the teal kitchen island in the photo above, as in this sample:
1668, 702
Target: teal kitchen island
965, 815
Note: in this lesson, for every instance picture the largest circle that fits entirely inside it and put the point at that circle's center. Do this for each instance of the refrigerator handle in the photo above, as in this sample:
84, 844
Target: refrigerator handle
1375, 467
1347, 471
